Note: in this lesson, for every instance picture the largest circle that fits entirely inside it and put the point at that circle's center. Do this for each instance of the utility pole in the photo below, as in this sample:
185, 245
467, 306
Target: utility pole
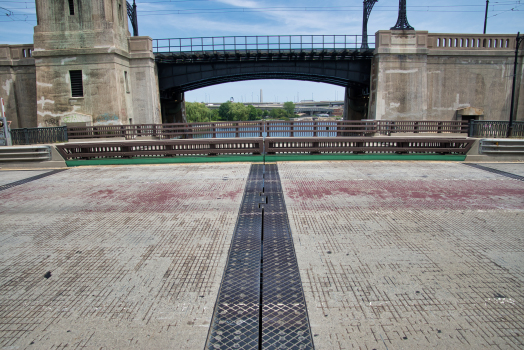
486, 16
510, 125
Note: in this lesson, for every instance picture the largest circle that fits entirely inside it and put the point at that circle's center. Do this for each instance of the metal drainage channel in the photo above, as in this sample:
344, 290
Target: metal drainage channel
30, 179
498, 172
261, 304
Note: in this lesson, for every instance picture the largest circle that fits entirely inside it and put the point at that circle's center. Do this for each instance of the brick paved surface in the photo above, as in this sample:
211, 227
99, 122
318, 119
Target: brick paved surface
392, 255
409, 255
136, 256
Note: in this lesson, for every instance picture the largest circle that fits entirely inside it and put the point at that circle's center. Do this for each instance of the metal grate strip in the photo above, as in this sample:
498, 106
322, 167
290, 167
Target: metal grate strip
495, 171
29, 179
261, 303
285, 323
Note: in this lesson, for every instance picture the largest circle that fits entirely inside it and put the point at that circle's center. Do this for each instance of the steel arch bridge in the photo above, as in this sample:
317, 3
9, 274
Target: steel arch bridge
192, 63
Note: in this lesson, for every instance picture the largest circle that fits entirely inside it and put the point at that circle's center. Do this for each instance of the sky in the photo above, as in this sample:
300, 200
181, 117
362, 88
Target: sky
161, 19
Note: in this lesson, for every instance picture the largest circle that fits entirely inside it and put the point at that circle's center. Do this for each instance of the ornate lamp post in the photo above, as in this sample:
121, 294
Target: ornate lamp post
368, 6
131, 12
402, 21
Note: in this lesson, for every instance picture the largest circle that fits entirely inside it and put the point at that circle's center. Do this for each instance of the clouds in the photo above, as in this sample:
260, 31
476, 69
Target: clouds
174, 19
241, 3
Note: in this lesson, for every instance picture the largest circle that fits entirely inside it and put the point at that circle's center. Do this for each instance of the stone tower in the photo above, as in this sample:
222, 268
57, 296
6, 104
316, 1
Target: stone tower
89, 70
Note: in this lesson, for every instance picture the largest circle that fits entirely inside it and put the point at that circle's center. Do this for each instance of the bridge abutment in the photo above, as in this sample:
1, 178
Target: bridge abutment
418, 75
89, 71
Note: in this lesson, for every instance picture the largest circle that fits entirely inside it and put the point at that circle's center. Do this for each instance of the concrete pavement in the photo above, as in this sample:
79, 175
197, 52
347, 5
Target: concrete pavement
392, 255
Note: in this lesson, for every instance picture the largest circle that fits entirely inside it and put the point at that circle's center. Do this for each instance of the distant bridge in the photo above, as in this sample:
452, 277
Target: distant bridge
191, 63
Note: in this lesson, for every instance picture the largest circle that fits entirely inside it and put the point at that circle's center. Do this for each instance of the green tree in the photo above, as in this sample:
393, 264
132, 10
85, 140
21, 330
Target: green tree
225, 110
289, 107
253, 113
278, 114
239, 111
197, 112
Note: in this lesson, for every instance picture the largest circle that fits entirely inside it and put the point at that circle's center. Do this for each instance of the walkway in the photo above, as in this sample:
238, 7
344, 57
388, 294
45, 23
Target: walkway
391, 254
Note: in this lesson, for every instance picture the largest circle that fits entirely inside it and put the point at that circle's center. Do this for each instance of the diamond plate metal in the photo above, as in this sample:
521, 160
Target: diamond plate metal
285, 324
235, 323
261, 303
235, 326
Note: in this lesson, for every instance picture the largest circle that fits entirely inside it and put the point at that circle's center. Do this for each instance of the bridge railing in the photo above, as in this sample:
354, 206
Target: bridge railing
259, 146
274, 43
171, 131
494, 128
471, 41
387, 127
250, 129
31, 136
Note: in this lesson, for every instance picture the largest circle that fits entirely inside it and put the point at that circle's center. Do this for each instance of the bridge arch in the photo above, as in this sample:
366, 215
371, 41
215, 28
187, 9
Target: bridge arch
176, 78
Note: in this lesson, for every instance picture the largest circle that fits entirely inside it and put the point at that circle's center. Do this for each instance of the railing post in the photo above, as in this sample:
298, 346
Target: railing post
26, 136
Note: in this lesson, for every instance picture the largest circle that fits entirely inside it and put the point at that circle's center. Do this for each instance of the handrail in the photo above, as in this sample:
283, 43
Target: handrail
278, 43
239, 129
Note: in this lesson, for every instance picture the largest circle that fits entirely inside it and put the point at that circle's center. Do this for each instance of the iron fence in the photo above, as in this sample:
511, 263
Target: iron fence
286, 145
277, 43
243, 129
491, 128
31, 136
388, 127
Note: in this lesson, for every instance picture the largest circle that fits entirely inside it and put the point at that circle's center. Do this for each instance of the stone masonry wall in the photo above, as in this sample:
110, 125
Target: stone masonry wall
18, 84
422, 76
118, 76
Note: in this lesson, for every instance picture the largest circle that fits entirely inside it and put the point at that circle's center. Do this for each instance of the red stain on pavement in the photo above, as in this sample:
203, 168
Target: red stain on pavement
434, 194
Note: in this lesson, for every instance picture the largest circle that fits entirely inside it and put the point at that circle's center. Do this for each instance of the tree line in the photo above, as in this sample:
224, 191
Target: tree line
197, 112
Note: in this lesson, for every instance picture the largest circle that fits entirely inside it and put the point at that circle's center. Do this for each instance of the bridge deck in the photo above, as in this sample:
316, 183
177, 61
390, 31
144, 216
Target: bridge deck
257, 55
410, 255
261, 47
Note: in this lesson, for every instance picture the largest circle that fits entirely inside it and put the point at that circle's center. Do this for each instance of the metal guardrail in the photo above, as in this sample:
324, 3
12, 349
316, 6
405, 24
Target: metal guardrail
341, 128
31, 136
278, 43
367, 145
491, 128
210, 147
502, 146
155, 148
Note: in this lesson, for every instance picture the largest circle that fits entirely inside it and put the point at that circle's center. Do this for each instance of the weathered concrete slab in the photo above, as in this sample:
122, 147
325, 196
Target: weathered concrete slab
404, 255
136, 256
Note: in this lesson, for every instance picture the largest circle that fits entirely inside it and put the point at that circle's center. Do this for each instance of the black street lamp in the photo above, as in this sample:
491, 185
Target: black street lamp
368, 6
402, 21
510, 125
